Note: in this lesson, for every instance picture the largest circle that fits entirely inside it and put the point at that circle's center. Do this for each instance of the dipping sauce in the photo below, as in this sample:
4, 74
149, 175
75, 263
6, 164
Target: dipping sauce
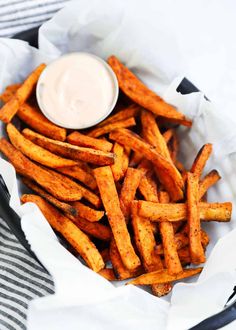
78, 90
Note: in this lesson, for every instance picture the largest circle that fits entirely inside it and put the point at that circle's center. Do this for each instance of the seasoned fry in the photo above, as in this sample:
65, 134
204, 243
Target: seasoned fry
80, 174
94, 229
201, 159
121, 272
9, 92
105, 255
209, 180
168, 135
60, 187
162, 276
128, 190
68, 209
82, 140
152, 134
142, 95
148, 188
35, 152
87, 212
36, 120
135, 159
125, 161
127, 112
109, 196
108, 273
176, 212
117, 167
73, 234
86, 193
10, 108
195, 245
145, 242
68, 150
168, 240
96, 132
168, 174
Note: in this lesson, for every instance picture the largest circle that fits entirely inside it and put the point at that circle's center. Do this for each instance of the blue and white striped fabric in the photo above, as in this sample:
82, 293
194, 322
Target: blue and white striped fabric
21, 277
20, 15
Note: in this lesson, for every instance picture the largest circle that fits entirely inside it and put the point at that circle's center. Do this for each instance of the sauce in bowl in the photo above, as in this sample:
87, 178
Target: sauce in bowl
78, 90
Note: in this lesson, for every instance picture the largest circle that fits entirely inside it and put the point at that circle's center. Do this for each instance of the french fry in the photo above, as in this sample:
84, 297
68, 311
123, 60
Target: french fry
167, 135
99, 131
142, 95
125, 162
148, 188
109, 196
68, 209
121, 272
195, 245
176, 212
168, 240
94, 229
68, 150
162, 276
86, 193
209, 180
9, 92
145, 242
167, 172
60, 187
82, 140
79, 174
80, 241
35, 152
87, 212
135, 159
152, 134
117, 167
128, 190
21, 95
36, 120
127, 112
105, 255
108, 274
201, 159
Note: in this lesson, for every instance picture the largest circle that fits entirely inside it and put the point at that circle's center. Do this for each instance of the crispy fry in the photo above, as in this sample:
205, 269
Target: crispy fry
68, 150
142, 95
167, 135
121, 272
9, 92
10, 108
105, 255
80, 174
127, 112
162, 276
36, 120
87, 212
68, 209
209, 180
176, 212
135, 159
125, 161
128, 190
115, 216
35, 152
108, 273
82, 140
96, 132
86, 193
195, 245
94, 229
167, 172
60, 187
201, 159
168, 240
152, 134
73, 234
117, 167
147, 185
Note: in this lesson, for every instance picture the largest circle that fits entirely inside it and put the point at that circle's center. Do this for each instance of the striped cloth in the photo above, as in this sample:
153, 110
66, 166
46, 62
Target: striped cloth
21, 280
20, 15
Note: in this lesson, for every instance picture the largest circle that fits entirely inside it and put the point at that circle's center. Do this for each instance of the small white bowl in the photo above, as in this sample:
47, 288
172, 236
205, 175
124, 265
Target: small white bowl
43, 86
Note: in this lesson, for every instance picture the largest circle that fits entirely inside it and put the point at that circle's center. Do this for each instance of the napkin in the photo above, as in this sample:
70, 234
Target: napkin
145, 37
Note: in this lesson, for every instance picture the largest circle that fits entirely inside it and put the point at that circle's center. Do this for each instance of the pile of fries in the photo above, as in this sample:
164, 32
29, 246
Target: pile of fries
117, 192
